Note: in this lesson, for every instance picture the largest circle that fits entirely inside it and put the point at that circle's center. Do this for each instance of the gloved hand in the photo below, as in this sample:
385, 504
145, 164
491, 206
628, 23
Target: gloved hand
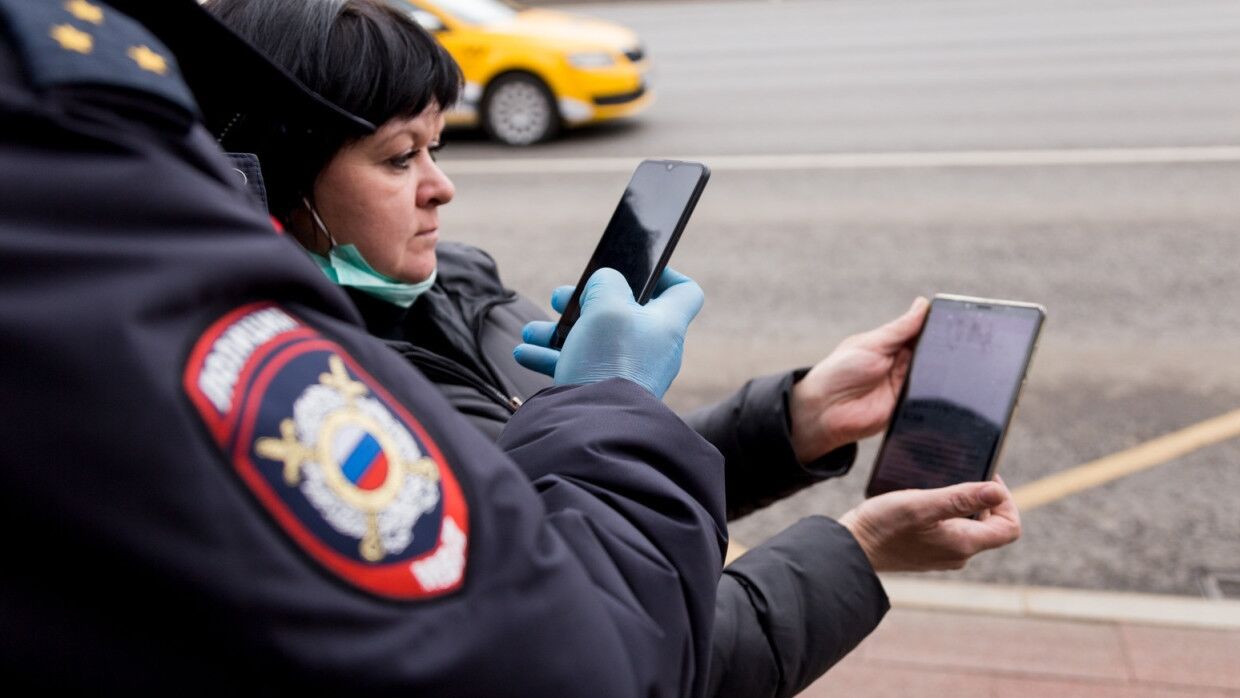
615, 337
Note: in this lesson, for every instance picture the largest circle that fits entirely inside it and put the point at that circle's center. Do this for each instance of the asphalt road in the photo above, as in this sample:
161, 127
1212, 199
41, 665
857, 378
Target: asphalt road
1137, 263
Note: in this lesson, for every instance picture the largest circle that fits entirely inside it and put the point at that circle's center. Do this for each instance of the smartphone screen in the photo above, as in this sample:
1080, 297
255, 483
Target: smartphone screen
643, 231
961, 390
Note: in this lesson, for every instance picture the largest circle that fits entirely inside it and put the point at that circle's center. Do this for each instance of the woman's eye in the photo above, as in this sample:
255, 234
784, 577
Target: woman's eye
404, 160
401, 162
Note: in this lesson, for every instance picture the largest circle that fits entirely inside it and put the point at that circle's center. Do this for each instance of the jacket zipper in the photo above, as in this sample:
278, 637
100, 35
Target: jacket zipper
434, 365
477, 322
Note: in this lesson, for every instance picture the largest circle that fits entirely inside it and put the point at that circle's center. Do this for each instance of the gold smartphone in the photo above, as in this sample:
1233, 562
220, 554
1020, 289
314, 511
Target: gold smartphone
965, 379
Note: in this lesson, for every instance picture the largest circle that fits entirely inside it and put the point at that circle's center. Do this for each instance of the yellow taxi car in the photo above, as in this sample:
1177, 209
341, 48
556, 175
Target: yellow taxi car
529, 72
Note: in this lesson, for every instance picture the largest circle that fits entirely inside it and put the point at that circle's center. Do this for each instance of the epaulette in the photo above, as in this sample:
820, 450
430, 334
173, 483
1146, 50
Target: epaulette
78, 42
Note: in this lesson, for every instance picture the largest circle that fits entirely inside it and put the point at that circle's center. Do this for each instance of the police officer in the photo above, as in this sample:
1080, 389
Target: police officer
216, 481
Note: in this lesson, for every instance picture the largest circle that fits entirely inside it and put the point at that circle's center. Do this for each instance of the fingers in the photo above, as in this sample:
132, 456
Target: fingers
1007, 509
675, 292
968, 538
998, 526
680, 298
965, 499
680, 295
899, 368
560, 298
916, 313
895, 335
539, 332
670, 277
535, 358
923, 530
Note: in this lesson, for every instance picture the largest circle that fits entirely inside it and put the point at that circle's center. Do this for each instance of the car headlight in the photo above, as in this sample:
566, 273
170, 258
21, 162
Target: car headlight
591, 60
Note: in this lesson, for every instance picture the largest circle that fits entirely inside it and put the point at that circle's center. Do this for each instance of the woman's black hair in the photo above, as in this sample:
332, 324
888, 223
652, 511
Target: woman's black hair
365, 56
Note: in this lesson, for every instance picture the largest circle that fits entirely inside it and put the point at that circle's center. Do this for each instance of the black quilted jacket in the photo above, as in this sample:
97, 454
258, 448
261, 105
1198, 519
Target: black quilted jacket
785, 611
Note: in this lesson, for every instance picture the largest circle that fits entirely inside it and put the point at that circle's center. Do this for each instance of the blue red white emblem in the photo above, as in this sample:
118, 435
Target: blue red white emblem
344, 469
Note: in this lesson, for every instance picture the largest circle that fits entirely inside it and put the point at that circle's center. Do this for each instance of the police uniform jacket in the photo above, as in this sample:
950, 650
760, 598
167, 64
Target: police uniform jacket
216, 480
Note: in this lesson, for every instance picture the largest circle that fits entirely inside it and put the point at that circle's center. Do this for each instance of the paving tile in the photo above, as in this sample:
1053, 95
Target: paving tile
945, 641
1029, 687
858, 677
876, 679
1209, 658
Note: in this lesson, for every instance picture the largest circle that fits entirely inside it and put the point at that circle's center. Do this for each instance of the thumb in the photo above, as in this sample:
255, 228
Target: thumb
607, 286
891, 337
955, 501
683, 297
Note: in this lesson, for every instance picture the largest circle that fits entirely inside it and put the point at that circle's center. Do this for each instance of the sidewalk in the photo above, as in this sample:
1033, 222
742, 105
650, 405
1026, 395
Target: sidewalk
983, 641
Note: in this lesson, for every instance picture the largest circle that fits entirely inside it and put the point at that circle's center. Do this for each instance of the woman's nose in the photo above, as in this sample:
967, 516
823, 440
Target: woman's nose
436, 189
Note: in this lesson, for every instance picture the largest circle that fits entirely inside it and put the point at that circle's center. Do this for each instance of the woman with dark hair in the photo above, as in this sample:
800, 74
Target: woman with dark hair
365, 209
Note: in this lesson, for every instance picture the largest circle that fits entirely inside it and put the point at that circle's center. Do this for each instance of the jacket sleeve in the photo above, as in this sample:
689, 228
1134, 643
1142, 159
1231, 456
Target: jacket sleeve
791, 608
751, 430
603, 475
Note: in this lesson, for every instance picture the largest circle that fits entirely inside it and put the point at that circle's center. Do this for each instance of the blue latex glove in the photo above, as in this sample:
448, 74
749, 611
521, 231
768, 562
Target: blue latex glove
615, 337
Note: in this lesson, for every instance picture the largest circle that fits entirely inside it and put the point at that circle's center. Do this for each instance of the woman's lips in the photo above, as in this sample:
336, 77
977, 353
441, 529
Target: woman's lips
425, 233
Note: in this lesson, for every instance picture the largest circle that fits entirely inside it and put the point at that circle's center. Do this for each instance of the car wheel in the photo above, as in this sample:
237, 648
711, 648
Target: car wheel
518, 109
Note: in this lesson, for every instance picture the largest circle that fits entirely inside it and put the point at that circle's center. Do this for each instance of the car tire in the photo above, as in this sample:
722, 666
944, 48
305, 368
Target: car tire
518, 109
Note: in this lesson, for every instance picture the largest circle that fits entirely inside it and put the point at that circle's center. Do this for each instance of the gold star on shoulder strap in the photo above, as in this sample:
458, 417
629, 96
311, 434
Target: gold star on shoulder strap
71, 39
148, 60
85, 11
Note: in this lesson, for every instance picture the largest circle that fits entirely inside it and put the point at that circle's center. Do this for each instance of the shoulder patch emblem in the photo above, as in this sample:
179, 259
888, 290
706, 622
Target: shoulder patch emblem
343, 468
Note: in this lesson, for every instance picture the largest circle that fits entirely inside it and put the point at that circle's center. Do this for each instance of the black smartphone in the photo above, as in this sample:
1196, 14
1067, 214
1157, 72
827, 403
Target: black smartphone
643, 231
961, 391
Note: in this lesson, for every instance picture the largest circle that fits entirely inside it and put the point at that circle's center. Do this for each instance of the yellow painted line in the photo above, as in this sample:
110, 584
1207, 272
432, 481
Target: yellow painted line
735, 550
1117, 465
1134, 460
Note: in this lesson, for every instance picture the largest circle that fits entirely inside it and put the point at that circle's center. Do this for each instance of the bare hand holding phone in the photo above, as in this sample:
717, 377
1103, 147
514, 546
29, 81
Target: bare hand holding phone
925, 530
850, 394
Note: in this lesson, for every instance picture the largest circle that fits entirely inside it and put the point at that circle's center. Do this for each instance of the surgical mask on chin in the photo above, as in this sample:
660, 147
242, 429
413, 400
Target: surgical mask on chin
345, 266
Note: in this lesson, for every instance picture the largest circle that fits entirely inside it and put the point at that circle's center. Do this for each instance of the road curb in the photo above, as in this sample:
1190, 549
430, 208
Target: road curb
1062, 604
